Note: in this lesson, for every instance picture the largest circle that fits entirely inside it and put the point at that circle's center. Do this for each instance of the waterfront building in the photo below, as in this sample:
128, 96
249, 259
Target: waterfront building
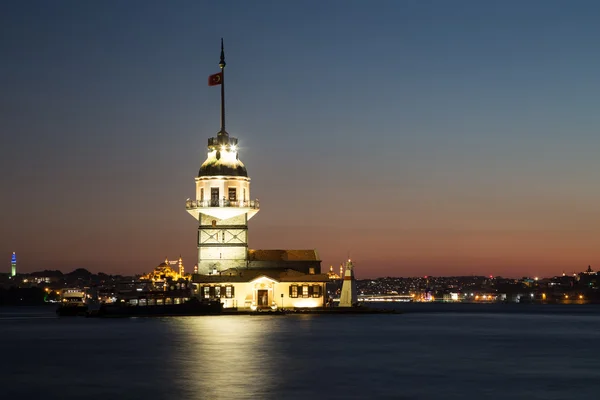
227, 268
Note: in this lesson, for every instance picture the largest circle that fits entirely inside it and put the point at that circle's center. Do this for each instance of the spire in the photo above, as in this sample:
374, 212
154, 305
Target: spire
222, 62
222, 66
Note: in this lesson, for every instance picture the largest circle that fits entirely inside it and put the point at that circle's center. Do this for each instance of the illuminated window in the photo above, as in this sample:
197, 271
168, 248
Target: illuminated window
232, 194
305, 291
316, 291
294, 291
217, 291
206, 290
228, 291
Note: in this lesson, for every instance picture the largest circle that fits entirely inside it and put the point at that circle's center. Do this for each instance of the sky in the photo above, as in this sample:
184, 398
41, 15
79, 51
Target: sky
418, 137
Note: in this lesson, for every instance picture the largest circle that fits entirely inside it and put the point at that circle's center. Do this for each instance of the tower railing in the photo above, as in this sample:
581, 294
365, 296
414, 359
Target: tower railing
191, 204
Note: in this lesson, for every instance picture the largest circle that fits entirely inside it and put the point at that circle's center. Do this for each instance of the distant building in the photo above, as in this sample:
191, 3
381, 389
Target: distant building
13, 265
226, 268
164, 275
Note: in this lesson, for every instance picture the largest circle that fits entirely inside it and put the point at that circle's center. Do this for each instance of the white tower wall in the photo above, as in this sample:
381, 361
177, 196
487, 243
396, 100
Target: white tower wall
222, 243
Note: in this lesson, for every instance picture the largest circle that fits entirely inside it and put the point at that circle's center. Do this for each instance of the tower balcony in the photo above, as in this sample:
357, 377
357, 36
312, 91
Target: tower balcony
222, 209
191, 204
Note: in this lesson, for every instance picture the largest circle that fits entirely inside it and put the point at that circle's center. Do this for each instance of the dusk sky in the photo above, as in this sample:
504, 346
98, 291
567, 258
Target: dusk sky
420, 137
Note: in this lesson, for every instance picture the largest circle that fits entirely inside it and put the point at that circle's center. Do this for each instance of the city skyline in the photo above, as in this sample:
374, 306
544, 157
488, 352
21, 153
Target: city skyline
418, 138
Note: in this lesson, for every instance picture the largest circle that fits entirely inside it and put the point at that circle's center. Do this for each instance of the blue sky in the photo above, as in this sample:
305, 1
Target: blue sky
422, 137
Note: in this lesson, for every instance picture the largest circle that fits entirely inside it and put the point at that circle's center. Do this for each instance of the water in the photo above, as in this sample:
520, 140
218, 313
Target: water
452, 352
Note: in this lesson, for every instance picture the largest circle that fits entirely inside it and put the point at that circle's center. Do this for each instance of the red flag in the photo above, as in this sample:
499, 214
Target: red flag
215, 79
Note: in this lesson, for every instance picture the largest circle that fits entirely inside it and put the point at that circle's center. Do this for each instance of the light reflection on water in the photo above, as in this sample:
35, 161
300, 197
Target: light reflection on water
228, 357
541, 355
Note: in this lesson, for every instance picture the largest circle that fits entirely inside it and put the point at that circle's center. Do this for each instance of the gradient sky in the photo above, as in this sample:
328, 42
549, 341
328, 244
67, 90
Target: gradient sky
420, 137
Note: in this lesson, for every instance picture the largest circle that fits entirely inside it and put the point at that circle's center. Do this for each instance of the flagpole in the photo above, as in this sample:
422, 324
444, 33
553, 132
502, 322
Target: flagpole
222, 66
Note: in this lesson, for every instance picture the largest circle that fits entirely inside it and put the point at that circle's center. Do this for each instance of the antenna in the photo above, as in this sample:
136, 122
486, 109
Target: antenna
222, 66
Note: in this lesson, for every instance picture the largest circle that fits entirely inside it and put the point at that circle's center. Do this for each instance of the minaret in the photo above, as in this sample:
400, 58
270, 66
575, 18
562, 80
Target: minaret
348, 296
13, 265
222, 206
181, 267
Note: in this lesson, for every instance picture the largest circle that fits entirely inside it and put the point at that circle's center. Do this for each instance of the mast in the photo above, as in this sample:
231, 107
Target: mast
222, 66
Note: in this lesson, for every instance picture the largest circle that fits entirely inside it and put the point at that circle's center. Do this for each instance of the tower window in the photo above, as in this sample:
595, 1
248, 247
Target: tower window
201, 194
232, 194
214, 197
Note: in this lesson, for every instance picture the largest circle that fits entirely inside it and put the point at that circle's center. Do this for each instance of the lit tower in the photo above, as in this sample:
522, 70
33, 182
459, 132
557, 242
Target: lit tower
13, 264
181, 267
348, 296
222, 206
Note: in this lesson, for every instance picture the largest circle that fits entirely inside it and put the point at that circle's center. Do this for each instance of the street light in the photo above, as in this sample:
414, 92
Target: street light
282, 301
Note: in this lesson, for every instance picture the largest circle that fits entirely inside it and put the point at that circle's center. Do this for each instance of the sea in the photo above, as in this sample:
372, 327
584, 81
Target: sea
429, 351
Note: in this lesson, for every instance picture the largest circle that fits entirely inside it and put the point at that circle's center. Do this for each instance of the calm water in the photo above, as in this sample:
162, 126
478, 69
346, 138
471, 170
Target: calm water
452, 352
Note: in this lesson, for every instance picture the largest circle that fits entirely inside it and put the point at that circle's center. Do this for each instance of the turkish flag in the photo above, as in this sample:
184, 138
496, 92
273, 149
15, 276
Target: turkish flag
215, 79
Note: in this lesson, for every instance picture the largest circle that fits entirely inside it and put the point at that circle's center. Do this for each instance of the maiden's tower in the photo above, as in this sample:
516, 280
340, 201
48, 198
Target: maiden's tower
227, 268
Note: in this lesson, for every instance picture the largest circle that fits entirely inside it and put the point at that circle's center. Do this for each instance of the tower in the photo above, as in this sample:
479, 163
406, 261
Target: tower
13, 265
348, 296
222, 206
181, 267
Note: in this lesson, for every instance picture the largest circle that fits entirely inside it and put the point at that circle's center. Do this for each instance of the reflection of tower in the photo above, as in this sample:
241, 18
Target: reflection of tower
13, 264
222, 206
348, 297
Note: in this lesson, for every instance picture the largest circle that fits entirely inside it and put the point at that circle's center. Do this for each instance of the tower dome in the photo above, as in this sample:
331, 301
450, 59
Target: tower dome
223, 158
